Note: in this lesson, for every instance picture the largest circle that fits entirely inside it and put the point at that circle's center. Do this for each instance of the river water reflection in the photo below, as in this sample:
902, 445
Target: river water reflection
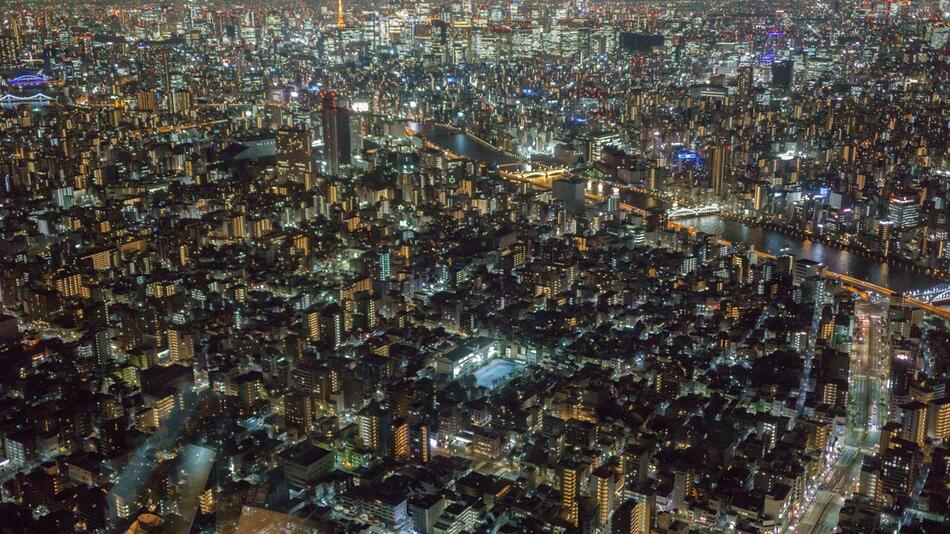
841, 261
462, 144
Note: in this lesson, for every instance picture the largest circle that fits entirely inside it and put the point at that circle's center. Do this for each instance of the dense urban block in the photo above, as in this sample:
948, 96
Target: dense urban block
475, 266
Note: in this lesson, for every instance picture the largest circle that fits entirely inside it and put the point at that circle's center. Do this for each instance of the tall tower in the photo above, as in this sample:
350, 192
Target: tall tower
340, 23
336, 132
718, 170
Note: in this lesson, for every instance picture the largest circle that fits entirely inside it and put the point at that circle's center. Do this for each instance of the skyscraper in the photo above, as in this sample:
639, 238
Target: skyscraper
336, 132
294, 156
903, 210
717, 170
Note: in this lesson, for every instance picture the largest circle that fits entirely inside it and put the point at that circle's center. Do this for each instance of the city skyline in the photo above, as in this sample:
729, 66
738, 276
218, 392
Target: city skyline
461, 266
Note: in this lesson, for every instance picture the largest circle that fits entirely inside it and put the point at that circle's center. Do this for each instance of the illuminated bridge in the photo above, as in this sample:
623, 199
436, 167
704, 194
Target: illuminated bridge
933, 295
14, 99
543, 178
677, 212
29, 79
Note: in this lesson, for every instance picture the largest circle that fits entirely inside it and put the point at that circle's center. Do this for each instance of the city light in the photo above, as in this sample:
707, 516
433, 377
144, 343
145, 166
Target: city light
546, 266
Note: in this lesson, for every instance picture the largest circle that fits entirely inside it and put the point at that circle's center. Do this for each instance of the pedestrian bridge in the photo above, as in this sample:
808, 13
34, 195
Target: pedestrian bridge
678, 212
933, 295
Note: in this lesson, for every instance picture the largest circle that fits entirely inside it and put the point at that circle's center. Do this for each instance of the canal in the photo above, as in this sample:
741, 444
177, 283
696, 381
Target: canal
840, 261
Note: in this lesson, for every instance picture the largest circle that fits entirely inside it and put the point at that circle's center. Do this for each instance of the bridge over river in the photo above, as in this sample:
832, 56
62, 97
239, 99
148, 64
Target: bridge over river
849, 265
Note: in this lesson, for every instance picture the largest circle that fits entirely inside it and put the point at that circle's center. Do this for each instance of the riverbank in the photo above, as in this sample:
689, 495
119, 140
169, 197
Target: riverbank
853, 247
464, 143
848, 263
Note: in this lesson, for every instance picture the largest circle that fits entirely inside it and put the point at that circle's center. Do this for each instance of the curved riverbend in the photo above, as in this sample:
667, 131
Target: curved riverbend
840, 261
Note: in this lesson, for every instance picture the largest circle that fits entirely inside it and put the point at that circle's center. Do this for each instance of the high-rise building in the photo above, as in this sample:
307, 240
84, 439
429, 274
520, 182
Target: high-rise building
570, 491
101, 344
783, 74
570, 192
146, 101
868, 365
744, 80
377, 430
938, 419
181, 346
899, 467
604, 480
682, 486
914, 422
760, 199
294, 156
634, 516
401, 441
8, 51
325, 325
299, 412
384, 264
884, 233
314, 379
336, 132
903, 211
717, 170
419, 447
179, 101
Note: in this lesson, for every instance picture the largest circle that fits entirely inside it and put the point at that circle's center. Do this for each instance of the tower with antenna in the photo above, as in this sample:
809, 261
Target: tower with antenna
340, 22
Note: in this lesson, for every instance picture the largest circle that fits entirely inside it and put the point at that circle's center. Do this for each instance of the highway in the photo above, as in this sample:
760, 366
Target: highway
543, 177
827, 515
828, 496
864, 284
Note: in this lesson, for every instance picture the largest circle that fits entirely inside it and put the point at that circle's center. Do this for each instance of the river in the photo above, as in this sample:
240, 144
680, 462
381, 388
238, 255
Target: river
840, 261
462, 144
837, 260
